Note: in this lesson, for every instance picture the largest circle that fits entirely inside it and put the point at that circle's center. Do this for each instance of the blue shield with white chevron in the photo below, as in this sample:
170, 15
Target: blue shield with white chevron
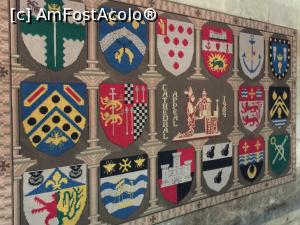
123, 44
53, 115
123, 184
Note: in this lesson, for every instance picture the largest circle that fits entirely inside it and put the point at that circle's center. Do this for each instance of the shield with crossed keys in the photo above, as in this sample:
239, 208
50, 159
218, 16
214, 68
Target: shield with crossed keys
279, 153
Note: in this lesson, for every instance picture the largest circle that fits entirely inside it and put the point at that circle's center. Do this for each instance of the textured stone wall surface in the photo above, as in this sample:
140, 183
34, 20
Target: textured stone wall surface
276, 206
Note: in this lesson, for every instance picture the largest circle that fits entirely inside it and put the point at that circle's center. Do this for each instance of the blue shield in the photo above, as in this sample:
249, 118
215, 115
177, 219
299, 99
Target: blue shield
279, 57
123, 43
53, 115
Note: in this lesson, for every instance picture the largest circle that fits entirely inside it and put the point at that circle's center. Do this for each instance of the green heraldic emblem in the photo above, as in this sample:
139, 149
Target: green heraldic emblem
54, 44
279, 153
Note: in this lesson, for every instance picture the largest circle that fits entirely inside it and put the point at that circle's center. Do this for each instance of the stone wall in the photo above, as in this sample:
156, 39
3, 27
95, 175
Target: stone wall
276, 206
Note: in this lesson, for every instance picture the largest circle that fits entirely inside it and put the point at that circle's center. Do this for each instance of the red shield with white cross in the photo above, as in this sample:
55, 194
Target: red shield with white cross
251, 106
123, 111
175, 44
217, 49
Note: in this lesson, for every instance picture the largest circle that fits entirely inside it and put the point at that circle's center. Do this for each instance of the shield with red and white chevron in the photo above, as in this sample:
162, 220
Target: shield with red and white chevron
123, 111
175, 44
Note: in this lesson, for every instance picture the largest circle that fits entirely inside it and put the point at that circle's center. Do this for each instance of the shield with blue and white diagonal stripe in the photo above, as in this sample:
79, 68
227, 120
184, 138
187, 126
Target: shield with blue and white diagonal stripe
53, 115
123, 43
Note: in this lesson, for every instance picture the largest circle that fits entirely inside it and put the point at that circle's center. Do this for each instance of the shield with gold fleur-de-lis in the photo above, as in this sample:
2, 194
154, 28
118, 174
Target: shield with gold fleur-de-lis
54, 196
123, 44
53, 115
123, 184
123, 112
279, 105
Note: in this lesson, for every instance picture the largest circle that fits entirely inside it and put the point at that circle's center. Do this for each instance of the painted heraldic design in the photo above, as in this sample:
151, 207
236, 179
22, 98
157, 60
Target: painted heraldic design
251, 157
55, 196
279, 153
55, 44
217, 49
217, 165
251, 54
279, 57
279, 105
123, 43
175, 44
175, 173
53, 115
251, 106
123, 183
123, 112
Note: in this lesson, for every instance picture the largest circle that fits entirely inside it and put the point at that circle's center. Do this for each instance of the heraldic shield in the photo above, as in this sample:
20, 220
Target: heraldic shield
279, 105
175, 44
217, 49
53, 115
55, 196
123, 184
123, 43
217, 165
251, 54
279, 57
123, 112
251, 106
251, 157
175, 173
279, 153
55, 44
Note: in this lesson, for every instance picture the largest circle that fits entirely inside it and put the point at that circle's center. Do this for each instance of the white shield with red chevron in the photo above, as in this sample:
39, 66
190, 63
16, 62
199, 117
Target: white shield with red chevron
251, 106
175, 44
123, 111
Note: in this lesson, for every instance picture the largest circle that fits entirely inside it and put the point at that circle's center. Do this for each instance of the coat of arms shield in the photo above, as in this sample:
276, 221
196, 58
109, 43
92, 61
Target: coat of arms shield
251, 54
280, 57
123, 43
279, 153
251, 106
53, 44
55, 196
217, 165
251, 157
123, 184
53, 115
175, 173
175, 44
123, 111
217, 49
279, 105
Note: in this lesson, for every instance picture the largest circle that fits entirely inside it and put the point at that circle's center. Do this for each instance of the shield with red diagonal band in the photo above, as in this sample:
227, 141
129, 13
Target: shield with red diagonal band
251, 157
175, 173
123, 112
251, 106
175, 44
217, 49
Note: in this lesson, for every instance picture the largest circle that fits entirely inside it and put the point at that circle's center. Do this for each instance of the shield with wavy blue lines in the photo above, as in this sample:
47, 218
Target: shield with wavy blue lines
123, 184
123, 43
53, 115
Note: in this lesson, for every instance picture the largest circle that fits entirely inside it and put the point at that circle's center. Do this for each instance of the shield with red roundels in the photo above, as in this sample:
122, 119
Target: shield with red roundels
217, 49
251, 106
175, 44
123, 112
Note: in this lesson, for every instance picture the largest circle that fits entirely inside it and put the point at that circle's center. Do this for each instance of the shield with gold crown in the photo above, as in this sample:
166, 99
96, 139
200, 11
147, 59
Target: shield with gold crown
53, 115
55, 196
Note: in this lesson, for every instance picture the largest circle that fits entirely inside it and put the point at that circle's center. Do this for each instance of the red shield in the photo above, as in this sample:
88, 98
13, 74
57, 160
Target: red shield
123, 112
217, 49
251, 106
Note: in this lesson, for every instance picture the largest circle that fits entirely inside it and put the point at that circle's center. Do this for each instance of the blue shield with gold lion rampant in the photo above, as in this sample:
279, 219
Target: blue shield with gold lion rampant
53, 115
123, 43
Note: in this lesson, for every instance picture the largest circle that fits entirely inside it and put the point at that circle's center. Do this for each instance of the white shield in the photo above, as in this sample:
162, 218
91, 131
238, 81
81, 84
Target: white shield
217, 165
175, 44
251, 54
